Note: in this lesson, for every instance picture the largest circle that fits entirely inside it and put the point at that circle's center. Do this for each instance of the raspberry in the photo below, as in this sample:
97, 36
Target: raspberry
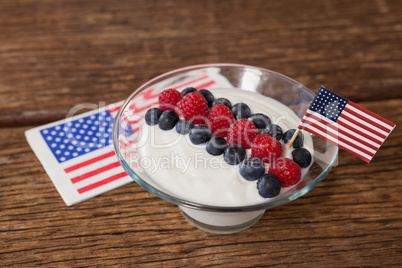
242, 132
193, 107
169, 98
220, 118
287, 171
266, 148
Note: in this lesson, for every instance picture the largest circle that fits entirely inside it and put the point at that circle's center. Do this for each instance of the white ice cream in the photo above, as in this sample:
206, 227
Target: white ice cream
187, 171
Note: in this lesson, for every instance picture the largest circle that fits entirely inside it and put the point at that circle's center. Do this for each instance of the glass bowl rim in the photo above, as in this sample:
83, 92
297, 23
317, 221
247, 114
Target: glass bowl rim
200, 206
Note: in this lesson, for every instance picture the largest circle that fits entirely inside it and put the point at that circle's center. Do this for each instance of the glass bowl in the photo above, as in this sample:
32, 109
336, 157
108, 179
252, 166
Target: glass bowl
210, 218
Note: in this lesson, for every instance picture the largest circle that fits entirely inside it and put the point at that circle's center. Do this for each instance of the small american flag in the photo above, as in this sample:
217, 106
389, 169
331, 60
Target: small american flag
83, 149
77, 152
346, 124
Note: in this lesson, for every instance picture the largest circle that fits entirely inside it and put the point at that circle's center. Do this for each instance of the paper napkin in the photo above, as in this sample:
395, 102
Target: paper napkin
77, 152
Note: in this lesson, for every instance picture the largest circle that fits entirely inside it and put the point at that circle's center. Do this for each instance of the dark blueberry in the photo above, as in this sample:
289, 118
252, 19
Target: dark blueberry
234, 154
152, 116
188, 90
223, 101
200, 134
251, 168
287, 136
274, 130
241, 110
168, 120
216, 145
208, 96
302, 157
184, 126
268, 185
261, 121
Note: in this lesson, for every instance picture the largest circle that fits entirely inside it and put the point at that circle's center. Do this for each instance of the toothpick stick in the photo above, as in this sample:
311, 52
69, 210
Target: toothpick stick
293, 138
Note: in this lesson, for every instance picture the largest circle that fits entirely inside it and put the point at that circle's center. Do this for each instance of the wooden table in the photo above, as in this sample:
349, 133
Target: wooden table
56, 54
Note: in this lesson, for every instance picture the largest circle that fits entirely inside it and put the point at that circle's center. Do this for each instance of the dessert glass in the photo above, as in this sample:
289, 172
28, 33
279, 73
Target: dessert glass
220, 219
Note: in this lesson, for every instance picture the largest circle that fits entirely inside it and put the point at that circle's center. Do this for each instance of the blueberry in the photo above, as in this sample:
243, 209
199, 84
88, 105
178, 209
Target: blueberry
241, 110
188, 90
234, 154
288, 136
168, 120
268, 185
200, 134
184, 126
223, 101
251, 168
208, 96
216, 145
274, 131
152, 116
261, 121
302, 157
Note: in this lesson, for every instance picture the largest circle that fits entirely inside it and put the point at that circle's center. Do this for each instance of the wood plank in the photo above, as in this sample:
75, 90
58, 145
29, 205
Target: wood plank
352, 218
56, 54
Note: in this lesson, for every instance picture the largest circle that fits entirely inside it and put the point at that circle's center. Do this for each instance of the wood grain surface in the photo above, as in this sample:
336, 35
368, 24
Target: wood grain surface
56, 54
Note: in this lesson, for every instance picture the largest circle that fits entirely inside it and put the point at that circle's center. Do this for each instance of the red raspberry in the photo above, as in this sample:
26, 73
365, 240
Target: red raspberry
220, 118
168, 99
242, 132
194, 107
287, 171
266, 148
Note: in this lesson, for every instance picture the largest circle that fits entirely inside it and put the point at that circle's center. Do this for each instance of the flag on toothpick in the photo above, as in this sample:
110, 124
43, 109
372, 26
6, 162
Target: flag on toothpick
346, 124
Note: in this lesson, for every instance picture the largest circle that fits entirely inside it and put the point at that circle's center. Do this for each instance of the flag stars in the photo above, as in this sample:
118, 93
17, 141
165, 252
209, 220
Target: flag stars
328, 104
80, 136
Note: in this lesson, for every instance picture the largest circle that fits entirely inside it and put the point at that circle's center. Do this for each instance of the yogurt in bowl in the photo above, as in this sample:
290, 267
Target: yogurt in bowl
211, 194
188, 171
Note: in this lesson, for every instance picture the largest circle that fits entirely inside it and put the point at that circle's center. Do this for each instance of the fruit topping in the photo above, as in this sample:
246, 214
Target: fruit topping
266, 148
200, 134
220, 118
234, 154
242, 132
288, 136
261, 121
223, 101
216, 145
287, 171
194, 107
251, 168
152, 116
274, 131
241, 110
184, 126
268, 186
208, 96
302, 157
168, 99
188, 90
168, 120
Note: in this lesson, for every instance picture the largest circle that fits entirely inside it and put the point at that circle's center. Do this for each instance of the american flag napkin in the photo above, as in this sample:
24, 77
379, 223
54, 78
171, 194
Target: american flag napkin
77, 152
346, 124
